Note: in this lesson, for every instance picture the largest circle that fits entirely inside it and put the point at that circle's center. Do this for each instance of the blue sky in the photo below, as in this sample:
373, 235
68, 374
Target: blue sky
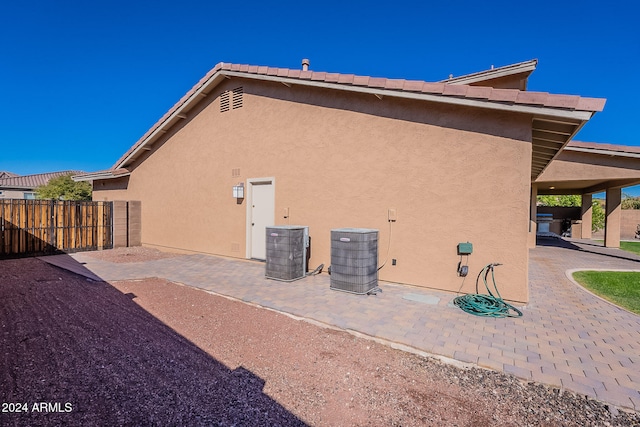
82, 81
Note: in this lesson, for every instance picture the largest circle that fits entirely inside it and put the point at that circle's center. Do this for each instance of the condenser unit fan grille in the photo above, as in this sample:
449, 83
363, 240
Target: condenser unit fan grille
286, 252
354, 260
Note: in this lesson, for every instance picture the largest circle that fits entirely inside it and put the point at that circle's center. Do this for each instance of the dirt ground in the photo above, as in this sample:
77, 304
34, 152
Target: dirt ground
150, 352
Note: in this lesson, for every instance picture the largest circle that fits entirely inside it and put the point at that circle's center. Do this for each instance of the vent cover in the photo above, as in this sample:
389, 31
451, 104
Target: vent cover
286, 252
231, 99
354, 260
237, 97
224, 102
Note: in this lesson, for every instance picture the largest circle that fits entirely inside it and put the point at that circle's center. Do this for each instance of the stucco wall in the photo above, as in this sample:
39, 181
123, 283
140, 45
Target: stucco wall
13, 194
342, 160
629, 221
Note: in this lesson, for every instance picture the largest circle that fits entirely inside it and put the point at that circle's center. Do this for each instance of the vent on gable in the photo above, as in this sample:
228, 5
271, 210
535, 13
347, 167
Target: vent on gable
224, 101
237, 97
231, 99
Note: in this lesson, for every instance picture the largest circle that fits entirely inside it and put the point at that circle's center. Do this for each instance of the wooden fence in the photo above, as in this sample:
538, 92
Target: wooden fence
39, 227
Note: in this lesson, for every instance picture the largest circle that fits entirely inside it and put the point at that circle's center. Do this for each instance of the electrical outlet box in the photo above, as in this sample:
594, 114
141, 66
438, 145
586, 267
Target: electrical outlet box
465, 248
392, 215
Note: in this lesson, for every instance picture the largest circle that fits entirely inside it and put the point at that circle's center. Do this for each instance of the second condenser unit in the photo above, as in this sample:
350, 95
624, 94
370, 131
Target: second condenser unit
354, 260
287, 247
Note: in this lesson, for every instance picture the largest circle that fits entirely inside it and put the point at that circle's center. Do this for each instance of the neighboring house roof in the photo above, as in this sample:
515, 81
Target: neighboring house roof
6, 174
520, 71
30, 182
556, 118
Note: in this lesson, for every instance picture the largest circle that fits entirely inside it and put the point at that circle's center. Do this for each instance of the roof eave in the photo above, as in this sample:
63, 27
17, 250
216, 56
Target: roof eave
221, 72
163, 126
520, 68
603, 151
101, 175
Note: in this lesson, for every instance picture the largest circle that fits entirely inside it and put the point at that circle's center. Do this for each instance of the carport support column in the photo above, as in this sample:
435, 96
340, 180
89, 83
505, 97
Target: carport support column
533, 212
613, 211
586, 216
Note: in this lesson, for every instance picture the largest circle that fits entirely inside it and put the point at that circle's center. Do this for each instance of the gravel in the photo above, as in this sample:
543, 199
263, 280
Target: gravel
153, 352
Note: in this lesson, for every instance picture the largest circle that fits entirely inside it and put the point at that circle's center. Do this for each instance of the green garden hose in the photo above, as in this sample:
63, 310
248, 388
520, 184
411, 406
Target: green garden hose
486, 305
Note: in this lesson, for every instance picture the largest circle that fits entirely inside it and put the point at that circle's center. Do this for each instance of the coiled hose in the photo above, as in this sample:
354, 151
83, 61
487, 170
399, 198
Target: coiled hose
486, 305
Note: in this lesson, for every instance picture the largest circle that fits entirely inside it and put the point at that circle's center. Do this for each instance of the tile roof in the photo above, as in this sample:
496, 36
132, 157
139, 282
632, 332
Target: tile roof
487, 96
7, 174
521, 68
33, 181
606, 147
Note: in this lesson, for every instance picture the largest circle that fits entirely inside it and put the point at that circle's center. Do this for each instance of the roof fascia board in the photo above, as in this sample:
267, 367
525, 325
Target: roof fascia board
604, 186
508, 70
446, 99
603, 152
98, 176
16, 187
167, 123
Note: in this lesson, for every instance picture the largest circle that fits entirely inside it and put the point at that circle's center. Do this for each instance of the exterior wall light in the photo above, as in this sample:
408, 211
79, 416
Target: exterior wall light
238, 191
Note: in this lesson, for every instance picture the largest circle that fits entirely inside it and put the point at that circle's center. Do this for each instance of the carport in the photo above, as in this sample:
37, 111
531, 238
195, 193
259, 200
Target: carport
586, 168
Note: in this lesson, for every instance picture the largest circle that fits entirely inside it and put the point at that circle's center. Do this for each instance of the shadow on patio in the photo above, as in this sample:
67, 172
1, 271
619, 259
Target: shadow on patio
586, 245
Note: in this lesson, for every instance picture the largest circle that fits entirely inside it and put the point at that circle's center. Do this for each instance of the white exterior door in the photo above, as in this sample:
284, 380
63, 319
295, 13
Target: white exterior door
262, 216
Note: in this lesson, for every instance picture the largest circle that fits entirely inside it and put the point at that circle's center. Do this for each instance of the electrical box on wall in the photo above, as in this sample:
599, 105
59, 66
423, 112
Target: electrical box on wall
465, 248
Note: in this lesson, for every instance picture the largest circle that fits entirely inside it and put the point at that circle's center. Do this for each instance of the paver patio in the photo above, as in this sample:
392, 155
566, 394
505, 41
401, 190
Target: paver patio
567, 337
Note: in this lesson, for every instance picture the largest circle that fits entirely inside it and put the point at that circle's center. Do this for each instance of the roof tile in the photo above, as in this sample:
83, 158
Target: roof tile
394, 84
455, 90
479, 92
433, 87
254, 69
306, 74
244, 68
318, 75
272, 71
332, 77
504, 95
361, 80
262, 69
562, 101
377, 82
413, 85
283, 72
591, 104
345, 78
235, 67
531, 98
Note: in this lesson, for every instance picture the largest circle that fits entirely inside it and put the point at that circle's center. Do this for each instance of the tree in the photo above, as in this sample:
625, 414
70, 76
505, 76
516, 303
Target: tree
597, 216
566, 201
597, 211
631, 203
64, 188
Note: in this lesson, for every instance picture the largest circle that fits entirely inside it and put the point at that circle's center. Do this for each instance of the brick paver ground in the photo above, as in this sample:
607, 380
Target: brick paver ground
567, 337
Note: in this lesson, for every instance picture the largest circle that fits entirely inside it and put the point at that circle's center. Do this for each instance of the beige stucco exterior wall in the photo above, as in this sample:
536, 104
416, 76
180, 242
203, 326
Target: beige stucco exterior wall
342, 160
13, 194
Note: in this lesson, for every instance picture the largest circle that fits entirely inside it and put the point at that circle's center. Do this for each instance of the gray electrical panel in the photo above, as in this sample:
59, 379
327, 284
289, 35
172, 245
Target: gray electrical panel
287, 247
354, 260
